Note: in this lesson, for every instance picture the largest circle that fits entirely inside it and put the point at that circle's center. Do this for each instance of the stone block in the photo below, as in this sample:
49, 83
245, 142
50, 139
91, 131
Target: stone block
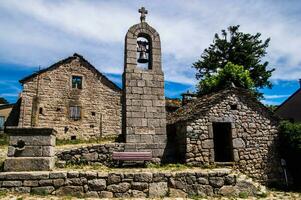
238, 143
56, 175
35, 140
67, 190
25, 175
48, 151
31, 183
106, 194
29, 163
97, 184
143, 177
11, 183
159, 189
176, 193
207, 144
120, 188
27, 151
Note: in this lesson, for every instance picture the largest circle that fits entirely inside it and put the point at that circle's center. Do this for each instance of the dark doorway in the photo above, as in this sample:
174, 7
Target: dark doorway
222, 136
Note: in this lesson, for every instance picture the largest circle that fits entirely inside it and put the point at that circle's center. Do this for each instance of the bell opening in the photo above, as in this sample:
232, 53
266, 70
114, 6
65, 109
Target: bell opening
143, 52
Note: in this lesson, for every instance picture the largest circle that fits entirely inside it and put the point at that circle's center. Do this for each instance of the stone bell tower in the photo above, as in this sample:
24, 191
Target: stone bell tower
144, 117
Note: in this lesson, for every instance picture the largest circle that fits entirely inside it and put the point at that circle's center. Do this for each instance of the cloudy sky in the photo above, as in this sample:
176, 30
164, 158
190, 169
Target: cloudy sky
37, 33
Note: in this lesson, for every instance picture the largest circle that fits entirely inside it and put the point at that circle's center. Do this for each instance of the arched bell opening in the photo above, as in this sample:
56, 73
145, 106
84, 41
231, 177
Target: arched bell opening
144, 54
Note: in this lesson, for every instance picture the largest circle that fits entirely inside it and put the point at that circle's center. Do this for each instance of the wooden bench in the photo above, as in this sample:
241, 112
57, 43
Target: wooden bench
132, 156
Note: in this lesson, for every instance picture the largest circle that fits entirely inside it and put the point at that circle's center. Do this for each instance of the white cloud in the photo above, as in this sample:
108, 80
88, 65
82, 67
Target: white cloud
275, 96
41, 32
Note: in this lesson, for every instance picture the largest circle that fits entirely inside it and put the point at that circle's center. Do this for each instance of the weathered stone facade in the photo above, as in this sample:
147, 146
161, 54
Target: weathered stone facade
48, 95
126, 184
253, 132
144, 115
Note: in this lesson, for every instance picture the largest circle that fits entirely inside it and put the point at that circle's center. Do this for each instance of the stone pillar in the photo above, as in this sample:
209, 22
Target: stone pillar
144, 117
30, 149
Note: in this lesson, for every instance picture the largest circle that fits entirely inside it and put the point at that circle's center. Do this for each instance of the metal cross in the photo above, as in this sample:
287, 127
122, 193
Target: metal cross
143, 12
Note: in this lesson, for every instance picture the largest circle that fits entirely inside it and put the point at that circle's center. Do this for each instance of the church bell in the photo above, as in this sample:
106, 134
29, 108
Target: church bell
143, 51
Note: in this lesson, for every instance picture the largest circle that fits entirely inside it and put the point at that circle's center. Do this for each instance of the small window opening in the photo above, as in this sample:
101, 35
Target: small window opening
93, 113
91, 126
233, 107
40, 111
73, 137
58, 109
75, 113
77, 82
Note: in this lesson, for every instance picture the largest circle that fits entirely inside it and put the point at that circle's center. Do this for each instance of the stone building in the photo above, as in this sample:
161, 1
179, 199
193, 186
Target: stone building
229, 127
5, 110
72, 97
290, 109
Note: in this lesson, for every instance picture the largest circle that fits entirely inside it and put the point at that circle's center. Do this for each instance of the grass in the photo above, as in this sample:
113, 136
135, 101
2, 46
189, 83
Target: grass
168, 167
3, 139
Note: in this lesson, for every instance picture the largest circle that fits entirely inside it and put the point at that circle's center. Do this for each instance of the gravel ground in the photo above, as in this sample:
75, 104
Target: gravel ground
273, 195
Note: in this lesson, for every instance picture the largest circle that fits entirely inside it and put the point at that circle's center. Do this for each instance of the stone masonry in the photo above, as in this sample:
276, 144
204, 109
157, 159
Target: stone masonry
30, 149
144, 118
254, 134
48, 95
130, 184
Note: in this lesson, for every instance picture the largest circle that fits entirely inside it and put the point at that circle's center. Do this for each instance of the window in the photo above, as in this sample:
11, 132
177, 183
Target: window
77, 82
40, 111
75, 112
93, 113
2, 120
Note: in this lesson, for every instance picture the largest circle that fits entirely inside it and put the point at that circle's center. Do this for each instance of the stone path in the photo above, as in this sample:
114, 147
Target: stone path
272, 196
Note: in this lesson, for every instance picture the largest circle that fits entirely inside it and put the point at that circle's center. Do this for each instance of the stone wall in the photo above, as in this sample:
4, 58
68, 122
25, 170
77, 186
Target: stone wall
254, 138
99, 99
124, 184
96, 154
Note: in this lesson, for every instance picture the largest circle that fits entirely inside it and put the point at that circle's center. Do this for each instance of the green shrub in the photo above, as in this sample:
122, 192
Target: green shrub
290, 148
243, 195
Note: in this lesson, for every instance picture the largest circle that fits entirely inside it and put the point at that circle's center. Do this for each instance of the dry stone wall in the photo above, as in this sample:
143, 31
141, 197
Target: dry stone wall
125, 185
254, 138
96, 154
99, 100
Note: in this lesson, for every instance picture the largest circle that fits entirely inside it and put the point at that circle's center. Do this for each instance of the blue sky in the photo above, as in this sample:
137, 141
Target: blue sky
39, 33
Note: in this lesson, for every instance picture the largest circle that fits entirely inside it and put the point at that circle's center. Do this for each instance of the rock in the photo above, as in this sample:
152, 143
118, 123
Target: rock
97, 184
91, 194
106, 194
42, 190
73, 174
203, 190
88, 175
31, 183
22, 189
177, 193
45, 182
143, 177
227, 190
113, 178
246, 186
207, 144
138, 194
120, 188
58, 175
238, 143
12, 183
159, 189
203, 181
58, 182
139, 186
67, 190
216, 181
230, 180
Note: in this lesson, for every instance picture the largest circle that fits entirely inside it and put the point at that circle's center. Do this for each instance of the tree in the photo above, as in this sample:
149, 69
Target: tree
3, 100
230, 74
239, 48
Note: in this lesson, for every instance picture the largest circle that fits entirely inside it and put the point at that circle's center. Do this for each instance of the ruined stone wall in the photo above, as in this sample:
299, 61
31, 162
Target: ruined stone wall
129, 184
99, 101
254, 138
94, 154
